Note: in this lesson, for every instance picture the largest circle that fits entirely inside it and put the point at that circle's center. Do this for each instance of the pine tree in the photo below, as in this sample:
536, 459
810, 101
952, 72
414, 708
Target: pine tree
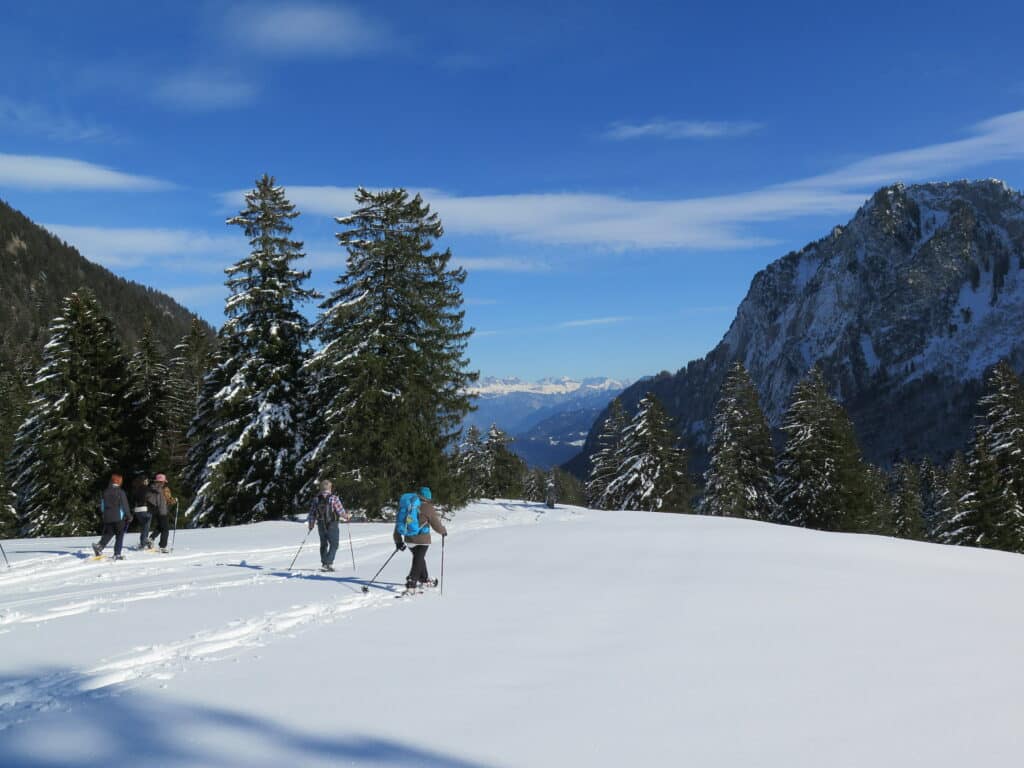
990, 512
391, 378
606, 459
907, 513
823, 482
951, 486
652, 473
534, 484
72, 438
1002, 424
740, 478
568, 488
930, 481
148, 403
470, 467
257, 394
192, 359
503, 469
14, 398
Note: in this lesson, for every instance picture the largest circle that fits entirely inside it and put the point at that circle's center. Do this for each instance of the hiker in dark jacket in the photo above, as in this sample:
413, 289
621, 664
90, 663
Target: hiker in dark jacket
116, 514
326, 512
140, 511
157, 504
419, 543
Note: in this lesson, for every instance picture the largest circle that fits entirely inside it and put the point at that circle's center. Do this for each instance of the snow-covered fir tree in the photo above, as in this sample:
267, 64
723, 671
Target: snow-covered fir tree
907, 506
740, 478
73, 436
1002, 425
504, 470
534, 484
189, 365
990, 512
652, 474
391, 375
951, 486
148, 403
470, 463
258, 390
823, 482
606, 459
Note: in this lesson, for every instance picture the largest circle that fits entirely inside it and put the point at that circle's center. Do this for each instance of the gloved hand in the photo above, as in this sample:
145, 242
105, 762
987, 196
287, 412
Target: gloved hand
311, 526
401, 547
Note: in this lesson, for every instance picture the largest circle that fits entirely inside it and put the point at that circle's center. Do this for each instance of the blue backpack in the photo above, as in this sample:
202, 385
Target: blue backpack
407, 523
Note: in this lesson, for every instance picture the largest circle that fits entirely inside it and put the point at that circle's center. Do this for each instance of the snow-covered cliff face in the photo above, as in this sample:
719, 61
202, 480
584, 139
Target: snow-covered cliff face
904, 309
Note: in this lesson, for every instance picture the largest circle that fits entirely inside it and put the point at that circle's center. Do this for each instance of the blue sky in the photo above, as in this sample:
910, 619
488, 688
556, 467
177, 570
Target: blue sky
612, 175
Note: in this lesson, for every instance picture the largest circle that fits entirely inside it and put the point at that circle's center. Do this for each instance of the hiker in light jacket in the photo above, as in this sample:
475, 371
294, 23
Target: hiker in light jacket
116, 515
419, 542
326, 512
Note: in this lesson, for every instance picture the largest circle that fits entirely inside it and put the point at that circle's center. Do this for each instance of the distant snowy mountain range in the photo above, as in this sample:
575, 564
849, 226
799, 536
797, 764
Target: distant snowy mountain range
548, 419
493, 387
904, 309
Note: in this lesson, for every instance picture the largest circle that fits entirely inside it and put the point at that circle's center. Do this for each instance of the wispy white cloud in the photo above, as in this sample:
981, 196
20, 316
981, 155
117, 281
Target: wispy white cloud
173, 249
680, 129
201, 91
306, 29
22, 117
592, 321
45, 172
720, 222
502, 264
998, 139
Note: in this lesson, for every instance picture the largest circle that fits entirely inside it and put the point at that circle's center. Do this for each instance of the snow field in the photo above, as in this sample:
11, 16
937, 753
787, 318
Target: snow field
567, 637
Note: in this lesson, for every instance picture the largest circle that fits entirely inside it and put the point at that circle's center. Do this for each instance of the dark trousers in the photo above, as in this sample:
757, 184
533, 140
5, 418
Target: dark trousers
418, 572
143, 518
113, 531
163, 525
329, 536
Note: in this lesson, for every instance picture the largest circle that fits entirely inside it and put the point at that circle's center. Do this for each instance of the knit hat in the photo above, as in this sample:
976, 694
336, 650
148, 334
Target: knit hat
425, 492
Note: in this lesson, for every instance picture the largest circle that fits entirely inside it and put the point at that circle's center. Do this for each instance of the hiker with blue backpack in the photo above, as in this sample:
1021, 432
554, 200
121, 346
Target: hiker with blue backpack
416, 516
326, 512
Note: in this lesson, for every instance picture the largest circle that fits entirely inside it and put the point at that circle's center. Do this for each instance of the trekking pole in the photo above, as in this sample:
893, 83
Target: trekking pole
308, 531
348, 526
5, 556
366, 587
442, 564
174, 533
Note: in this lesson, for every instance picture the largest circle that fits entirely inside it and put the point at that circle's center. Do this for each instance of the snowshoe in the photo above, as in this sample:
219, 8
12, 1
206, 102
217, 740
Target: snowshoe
96, 549
428, 583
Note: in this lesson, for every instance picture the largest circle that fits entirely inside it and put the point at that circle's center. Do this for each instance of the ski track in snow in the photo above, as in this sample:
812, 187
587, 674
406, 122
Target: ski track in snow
20, 698
67, 584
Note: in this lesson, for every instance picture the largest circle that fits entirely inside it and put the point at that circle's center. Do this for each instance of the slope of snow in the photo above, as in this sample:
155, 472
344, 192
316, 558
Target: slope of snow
563, 637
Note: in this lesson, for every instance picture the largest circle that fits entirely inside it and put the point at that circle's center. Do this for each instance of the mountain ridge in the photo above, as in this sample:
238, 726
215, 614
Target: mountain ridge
903, 308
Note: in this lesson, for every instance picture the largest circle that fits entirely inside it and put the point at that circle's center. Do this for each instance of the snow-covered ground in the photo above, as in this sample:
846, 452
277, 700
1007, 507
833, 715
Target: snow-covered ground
563, 638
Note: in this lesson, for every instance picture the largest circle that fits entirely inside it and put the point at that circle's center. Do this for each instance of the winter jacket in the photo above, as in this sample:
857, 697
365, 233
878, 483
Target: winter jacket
334, 506
156, 501
427, 514
114, 505
139, 498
